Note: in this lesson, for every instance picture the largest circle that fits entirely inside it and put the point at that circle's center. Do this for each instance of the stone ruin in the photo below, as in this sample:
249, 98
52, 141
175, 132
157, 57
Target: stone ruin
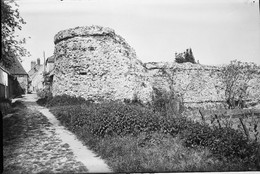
97, 64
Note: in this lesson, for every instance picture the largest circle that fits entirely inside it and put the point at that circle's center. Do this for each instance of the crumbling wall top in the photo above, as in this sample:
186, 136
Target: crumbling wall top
93, 30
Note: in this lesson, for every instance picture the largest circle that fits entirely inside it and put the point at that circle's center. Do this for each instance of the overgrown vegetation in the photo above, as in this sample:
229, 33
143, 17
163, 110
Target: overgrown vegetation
168, 103
235, 79
45, 96
10, 22
186, 56
134, 138
7, 107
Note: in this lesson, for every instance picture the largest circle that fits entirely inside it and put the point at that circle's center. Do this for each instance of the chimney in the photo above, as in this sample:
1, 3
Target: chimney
33, 63
38, 61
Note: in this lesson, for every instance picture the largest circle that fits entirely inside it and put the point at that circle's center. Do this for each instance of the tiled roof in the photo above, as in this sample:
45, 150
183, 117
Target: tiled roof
34, 70
3, 69
16, 68
50, 59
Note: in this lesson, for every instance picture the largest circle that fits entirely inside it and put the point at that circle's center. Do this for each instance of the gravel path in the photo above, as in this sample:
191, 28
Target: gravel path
33, 143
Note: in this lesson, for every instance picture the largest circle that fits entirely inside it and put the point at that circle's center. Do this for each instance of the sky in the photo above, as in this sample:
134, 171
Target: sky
217, 31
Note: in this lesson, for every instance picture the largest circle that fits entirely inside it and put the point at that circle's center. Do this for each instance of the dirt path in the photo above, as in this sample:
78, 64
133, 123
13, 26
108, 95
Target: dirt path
35, 142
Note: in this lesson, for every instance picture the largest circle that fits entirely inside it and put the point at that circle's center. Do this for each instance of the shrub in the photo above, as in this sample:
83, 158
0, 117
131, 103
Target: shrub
235, 79
111, 119
135, 101
65, 100
5, 100
117, 118
5, 106
44, 93
186, 56
167, 103
223, 142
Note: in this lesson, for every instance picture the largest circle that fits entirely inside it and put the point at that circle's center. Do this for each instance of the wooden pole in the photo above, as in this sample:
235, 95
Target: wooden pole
202, 116
44, 61
244, 127
216, 116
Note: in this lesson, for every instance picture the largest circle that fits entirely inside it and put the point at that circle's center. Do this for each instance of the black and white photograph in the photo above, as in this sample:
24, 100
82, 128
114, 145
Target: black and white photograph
130, 86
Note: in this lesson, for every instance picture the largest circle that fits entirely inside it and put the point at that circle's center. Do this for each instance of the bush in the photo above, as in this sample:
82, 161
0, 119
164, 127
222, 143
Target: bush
5, 106
5, 100
186, 56
44, 94
66, 100
113, 119
223, 142
167, 103
110, 118
135, 101
235, 79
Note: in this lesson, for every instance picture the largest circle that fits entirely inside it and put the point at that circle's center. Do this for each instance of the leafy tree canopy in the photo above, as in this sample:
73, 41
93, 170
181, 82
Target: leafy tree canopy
235, 78
11, 21
186, 56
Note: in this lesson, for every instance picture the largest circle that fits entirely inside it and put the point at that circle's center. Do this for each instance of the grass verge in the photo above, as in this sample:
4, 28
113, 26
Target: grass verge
155, 145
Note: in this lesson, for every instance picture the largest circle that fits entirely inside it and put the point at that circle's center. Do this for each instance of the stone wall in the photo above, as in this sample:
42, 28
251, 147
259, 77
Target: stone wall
199, 84
95, 63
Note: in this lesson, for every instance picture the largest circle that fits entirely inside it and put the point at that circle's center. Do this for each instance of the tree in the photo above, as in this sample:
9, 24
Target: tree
186, 56
189, 56
235, 79
10, 22
179, 58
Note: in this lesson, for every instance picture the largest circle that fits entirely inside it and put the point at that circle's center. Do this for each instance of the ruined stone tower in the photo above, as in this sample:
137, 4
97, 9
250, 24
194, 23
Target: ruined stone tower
95, 63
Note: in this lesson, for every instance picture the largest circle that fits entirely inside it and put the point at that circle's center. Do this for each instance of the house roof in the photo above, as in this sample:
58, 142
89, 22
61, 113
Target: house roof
34, 70
50, 59
16, 68
3, 69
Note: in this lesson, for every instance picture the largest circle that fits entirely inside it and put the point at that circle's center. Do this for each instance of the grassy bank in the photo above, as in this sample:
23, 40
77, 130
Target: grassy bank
133, 138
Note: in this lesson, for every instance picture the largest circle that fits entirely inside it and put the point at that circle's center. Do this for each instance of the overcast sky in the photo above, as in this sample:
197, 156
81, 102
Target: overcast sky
218, 31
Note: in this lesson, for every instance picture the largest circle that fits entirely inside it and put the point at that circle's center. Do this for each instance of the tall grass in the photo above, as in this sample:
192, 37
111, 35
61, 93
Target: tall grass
156, 153
132, 138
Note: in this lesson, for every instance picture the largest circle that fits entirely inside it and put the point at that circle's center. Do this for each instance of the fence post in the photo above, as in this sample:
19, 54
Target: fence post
255, 127
202, 116
216, 116
244, 127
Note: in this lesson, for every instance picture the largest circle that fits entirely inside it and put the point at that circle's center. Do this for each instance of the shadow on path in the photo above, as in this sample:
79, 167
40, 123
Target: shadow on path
30, 144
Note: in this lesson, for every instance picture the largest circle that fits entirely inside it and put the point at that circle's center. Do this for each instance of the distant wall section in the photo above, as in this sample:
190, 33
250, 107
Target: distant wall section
199, 85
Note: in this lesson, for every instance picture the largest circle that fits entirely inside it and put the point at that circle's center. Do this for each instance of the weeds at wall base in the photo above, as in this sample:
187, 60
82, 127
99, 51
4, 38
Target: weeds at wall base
135, 139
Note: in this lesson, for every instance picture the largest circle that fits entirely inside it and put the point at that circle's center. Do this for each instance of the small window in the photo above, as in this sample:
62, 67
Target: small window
91, 48
82, 73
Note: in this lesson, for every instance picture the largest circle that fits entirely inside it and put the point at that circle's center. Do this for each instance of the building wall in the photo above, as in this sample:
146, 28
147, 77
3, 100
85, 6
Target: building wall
50, 67
37, 80
23, 82
11, 86
4, 93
